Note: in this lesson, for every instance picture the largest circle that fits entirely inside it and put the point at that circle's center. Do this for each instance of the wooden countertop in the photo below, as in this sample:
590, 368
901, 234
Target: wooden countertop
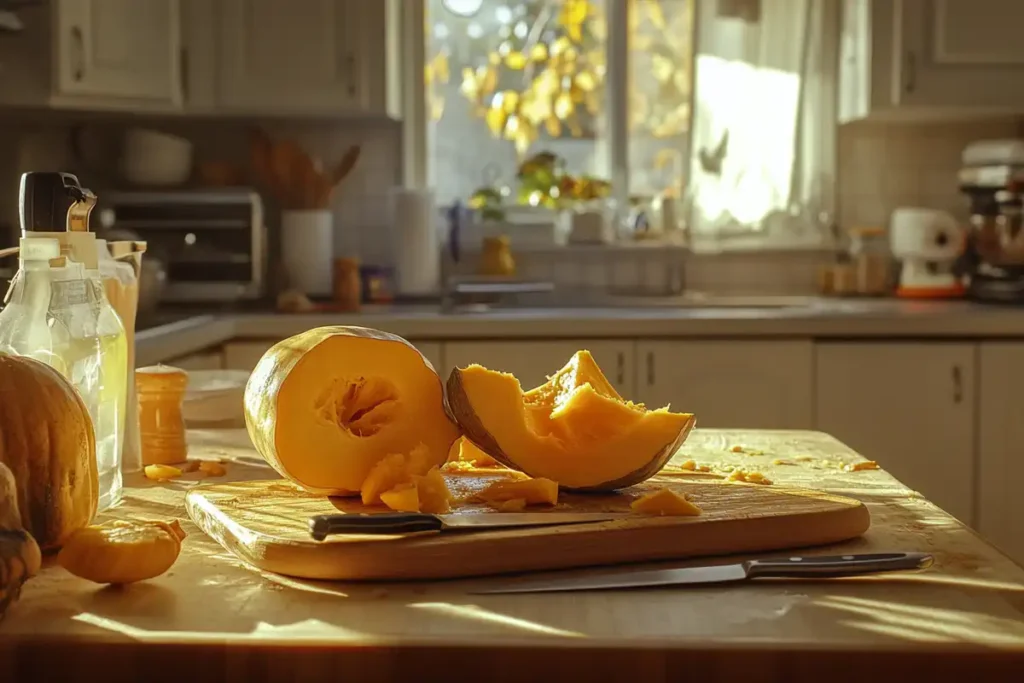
213, 618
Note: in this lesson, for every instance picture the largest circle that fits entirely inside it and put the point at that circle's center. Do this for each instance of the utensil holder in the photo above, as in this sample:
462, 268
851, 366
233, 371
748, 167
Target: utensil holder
307, 250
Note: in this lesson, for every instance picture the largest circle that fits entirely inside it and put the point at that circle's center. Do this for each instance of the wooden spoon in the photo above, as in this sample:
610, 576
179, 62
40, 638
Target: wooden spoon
283, 160
327, 182
345, 166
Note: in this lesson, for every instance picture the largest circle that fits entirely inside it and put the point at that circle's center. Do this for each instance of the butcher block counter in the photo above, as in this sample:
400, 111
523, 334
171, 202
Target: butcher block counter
211, 617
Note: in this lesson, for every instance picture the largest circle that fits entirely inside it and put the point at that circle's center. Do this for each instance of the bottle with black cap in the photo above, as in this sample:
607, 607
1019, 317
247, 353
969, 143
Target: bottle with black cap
89, 342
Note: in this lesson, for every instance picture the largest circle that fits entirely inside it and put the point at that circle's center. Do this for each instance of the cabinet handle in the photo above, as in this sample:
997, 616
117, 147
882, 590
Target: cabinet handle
350, 63
184, 73
620, 377
78, 44
958, 385
650, 368
910, 73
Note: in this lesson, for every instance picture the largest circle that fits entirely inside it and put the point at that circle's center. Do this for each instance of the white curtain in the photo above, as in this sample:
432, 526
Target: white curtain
763, 161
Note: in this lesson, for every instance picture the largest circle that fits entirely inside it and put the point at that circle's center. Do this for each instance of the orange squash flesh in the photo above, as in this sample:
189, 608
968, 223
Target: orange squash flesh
575, 429
325, 406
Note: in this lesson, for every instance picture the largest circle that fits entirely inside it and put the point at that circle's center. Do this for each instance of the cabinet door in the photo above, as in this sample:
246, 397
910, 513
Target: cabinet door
288, 56
533, 361
730, 384
432, 351
960, 53
1000, 455
908, 406
244, 355
119, 48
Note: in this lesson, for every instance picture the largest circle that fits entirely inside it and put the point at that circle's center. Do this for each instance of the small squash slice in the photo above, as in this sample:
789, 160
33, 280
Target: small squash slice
575, 429
122, 551
325, 406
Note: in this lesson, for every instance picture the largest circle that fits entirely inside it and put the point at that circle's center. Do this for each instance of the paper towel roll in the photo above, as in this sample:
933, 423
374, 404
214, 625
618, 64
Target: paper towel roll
417, 247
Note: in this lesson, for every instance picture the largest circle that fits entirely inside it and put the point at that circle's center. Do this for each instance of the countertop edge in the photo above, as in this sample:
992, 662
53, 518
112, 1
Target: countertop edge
893, 322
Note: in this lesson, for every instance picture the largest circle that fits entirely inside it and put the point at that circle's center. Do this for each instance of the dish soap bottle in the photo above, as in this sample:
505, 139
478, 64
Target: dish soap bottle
93, 350
25, 322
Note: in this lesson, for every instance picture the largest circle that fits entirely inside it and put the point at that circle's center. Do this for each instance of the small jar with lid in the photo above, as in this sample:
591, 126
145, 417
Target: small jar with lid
161, 392
871, 258
348, 285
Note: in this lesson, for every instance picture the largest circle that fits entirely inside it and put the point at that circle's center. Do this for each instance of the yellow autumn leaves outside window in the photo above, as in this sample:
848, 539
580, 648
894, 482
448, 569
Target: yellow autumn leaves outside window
552, 76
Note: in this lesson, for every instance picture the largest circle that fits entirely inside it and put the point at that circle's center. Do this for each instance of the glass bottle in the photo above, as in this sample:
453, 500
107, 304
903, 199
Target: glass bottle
87, 334
96, 361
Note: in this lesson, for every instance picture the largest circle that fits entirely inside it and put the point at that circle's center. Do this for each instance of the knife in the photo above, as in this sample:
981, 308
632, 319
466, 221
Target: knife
322, 526
811, 567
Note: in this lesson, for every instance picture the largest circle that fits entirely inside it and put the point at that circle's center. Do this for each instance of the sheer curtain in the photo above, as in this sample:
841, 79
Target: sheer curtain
764, 120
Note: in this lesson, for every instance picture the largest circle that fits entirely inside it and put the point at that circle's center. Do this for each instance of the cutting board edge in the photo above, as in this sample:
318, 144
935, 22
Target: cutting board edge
424, 560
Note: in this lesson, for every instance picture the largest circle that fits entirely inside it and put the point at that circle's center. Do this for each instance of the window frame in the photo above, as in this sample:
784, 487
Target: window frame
821, 137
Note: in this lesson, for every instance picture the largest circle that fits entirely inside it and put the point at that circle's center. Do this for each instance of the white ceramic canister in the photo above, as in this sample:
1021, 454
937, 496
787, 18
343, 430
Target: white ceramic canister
307, 250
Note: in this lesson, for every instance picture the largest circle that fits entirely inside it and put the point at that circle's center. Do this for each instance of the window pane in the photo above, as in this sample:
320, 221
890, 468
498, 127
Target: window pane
507, 79
660, 80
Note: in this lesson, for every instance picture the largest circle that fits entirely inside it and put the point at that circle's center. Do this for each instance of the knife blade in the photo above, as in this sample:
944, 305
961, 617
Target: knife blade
824, 566
322, 526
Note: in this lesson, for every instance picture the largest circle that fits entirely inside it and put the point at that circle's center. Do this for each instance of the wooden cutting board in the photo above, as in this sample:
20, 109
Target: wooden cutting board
266, 524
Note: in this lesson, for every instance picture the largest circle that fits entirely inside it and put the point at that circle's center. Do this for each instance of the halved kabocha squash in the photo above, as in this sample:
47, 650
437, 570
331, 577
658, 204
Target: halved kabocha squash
574, 429
325, 406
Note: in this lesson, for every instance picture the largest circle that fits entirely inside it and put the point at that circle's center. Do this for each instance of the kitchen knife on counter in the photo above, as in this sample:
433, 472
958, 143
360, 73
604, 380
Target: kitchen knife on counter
807, 567
322, 526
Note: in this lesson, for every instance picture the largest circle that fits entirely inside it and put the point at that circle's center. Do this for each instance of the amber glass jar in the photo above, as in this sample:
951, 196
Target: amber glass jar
161, 391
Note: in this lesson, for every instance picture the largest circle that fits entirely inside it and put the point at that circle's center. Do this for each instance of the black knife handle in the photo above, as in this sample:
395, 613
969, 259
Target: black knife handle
322, 526
830, 566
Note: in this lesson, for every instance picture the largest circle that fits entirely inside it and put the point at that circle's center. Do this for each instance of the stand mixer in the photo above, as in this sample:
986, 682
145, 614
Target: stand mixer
928, 242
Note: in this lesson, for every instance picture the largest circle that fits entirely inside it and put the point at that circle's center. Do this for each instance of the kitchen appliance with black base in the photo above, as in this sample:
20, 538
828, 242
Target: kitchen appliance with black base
992, 177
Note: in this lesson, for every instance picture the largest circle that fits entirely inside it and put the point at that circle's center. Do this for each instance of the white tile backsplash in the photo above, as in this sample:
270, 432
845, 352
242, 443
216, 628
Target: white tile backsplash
881, 166
886, 165
361, 206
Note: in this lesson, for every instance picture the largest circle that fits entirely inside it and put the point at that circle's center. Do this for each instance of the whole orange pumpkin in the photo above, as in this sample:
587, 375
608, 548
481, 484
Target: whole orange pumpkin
47, 441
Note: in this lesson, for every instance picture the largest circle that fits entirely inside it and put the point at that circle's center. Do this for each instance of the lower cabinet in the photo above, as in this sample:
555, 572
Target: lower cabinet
1000, 450
244, 355
910, 406
533, 361
730, 384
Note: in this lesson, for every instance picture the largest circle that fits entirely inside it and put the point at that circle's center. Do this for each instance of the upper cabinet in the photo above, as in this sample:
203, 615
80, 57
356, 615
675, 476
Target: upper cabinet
95, 54
280, 57
118, 48
320, 69
930, 58
316, 58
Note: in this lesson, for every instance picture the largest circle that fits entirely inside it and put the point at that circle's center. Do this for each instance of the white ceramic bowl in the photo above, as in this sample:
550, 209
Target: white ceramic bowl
214, 398
154, 159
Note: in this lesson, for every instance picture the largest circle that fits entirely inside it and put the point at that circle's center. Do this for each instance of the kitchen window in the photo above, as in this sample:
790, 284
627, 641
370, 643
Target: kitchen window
726, 104
507, 80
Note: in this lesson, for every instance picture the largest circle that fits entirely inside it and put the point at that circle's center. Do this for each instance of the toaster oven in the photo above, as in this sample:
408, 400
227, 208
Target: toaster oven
212, 242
